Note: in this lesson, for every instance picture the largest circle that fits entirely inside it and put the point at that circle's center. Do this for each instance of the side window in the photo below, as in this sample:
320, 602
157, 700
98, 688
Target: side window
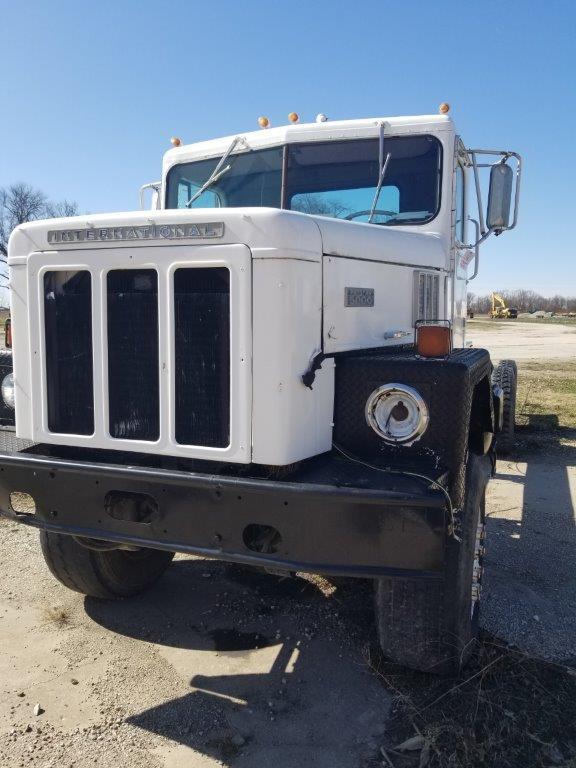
460, 204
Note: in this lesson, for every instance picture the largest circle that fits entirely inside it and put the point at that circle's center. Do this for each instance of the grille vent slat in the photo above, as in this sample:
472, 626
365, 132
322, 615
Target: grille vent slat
426, 296
68, 349
202, 363
133, 370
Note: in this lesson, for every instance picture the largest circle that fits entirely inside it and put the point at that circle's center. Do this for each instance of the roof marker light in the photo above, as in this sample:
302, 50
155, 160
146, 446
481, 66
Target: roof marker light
263, 122
176, 141
293, 117
321, 117
444, 108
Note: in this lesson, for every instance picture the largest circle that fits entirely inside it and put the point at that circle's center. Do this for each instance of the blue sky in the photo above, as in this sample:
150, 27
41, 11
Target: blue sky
92, 91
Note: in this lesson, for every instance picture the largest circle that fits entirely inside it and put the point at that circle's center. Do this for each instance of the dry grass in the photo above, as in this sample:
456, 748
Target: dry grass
556, 320
58, 615
507, 710
485, 324
546, 404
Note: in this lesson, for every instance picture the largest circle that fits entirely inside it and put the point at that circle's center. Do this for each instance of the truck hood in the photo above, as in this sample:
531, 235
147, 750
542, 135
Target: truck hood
268, 232
356, 240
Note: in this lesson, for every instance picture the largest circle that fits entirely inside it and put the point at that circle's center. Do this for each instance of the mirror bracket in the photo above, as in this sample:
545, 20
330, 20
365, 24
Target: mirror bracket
470, 156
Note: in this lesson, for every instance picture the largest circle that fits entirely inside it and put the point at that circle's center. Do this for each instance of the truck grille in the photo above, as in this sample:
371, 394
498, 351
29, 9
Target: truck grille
68, 338
202, 343
200, 381
133, 370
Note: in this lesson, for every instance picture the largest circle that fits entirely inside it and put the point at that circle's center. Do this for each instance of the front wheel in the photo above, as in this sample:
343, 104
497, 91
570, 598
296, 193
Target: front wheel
505, 376
104, 573
429, 624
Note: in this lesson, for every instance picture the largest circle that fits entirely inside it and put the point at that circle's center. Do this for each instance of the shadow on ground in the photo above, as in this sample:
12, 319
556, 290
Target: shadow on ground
277, 668
530, 584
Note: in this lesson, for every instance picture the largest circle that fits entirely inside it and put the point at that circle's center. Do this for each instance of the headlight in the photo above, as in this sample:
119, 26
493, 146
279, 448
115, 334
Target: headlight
397, 413
8, 390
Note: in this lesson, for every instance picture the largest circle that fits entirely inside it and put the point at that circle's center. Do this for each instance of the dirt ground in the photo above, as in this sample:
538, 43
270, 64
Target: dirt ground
523, 340
219, 665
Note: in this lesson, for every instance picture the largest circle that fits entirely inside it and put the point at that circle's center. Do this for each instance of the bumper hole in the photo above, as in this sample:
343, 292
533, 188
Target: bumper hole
130, 507
261, 538
22, 503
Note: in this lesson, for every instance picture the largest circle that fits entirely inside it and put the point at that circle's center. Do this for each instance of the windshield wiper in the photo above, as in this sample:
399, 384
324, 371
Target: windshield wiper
218, 172
379, 187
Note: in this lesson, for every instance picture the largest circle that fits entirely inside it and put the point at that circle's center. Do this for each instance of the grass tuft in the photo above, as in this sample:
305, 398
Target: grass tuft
506, 710
58, 615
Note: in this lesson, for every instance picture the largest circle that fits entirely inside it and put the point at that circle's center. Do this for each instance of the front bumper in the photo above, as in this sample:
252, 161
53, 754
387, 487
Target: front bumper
331, 516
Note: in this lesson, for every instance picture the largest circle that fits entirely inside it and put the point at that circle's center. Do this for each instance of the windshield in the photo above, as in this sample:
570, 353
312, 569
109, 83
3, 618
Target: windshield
335, 178
253, 179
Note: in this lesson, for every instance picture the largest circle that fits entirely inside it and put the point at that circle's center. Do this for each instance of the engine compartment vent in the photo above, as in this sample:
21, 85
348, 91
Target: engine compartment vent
426, 296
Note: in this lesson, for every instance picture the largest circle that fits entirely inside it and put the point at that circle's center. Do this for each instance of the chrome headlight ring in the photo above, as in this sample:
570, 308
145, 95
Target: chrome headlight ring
397, 413
8, 390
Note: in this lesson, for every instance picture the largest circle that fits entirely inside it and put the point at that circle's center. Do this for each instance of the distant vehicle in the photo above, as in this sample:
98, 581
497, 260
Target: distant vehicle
270, 367
500, 310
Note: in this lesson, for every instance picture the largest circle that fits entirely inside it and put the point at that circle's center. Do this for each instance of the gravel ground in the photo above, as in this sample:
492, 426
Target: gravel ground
216, 665
529, 596
219, 665
522, 341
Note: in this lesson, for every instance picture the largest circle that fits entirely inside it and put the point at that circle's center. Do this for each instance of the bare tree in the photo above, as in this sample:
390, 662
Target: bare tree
20, 203
61, 210
320, 207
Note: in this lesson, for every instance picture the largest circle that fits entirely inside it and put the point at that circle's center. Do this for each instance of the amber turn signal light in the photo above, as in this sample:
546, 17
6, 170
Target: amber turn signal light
433, 340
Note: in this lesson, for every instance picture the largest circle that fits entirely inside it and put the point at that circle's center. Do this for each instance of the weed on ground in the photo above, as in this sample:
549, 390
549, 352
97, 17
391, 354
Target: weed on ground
506, 710
546, 405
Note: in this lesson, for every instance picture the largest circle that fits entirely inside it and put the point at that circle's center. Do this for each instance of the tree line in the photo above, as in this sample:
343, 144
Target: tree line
524, 301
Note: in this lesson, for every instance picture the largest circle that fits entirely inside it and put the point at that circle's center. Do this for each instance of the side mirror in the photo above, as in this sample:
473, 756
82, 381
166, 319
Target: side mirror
499, 197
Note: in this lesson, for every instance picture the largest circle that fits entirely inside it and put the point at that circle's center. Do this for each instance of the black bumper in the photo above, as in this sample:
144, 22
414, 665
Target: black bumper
330, 516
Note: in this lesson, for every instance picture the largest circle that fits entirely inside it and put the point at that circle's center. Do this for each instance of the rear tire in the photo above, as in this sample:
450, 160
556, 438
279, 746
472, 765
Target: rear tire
107, 574
430, 624
505, 376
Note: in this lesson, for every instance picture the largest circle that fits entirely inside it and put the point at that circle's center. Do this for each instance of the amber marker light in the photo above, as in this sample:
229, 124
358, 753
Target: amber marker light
444, 108
175, 141
433, 340
293, 117
263, 122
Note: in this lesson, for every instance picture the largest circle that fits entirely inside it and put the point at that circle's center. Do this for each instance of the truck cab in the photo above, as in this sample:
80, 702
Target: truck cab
270, 367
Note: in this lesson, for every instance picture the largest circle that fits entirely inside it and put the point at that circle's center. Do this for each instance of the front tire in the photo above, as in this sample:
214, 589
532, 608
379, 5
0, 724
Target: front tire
505, 376
107, 574
430, 624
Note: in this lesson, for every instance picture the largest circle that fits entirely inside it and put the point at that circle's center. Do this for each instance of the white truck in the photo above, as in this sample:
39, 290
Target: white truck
270, 367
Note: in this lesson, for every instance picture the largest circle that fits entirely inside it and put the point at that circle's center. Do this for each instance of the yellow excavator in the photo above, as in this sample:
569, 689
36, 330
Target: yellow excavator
500, 310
